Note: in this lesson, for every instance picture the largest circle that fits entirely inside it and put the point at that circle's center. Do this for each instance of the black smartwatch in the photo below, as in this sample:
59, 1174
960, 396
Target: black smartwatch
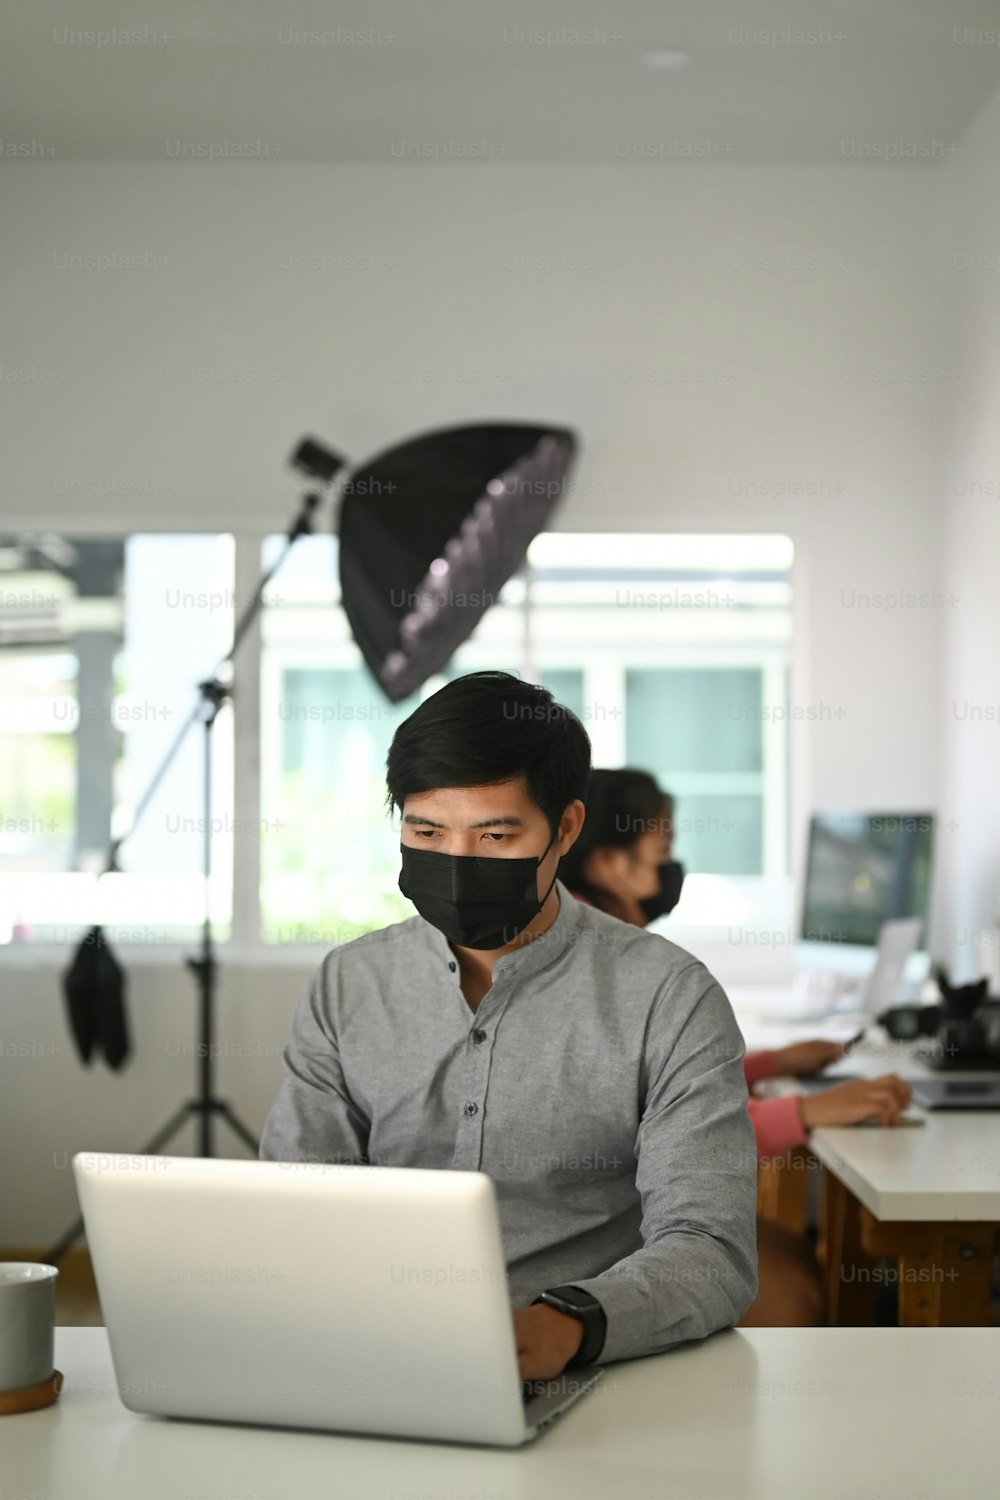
580, 1304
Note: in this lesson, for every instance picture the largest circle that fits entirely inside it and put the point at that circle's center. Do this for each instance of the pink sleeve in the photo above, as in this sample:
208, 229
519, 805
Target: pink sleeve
777, 1124
758, 1065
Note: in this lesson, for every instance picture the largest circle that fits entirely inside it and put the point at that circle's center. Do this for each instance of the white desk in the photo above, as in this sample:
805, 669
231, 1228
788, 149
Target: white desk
766, 1414
928, 1196
945, 1170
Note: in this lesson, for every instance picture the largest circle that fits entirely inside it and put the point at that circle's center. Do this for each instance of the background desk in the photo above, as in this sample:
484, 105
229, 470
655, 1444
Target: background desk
927, 1196
765, 1414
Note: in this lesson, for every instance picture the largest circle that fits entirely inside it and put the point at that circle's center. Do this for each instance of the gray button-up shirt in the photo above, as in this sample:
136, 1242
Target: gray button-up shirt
599, 1084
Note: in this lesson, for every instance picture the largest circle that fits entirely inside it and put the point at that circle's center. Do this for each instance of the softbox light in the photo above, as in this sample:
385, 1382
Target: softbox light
432, 529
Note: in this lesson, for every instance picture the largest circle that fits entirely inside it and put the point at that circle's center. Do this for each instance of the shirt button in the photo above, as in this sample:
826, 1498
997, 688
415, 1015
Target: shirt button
471, 1109
479, 1036
452, 966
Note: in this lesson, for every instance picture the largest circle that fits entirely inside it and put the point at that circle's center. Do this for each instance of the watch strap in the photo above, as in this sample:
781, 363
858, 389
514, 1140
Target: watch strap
578, 1303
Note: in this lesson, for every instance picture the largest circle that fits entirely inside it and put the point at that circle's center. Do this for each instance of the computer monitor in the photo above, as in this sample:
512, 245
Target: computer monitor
862, 869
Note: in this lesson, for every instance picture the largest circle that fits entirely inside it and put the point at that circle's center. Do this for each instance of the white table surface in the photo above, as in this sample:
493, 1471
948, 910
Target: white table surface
946, 1169
766, 1414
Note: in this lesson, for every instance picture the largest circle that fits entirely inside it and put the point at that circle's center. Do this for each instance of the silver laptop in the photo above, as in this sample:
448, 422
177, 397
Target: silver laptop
897, 939
350, 1299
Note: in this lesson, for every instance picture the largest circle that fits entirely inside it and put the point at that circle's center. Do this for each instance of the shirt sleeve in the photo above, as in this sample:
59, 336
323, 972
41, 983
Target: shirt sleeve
758, 1065
314, 1118
697, 1178
777, 1124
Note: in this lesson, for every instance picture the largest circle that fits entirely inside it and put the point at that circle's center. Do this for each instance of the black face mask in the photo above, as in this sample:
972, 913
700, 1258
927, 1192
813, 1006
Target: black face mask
475, 901
663, 901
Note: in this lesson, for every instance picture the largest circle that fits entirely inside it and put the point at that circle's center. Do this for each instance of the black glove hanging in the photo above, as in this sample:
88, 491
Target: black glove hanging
94, 986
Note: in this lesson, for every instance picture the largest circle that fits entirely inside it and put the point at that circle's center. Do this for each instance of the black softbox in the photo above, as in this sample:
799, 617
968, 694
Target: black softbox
432, 529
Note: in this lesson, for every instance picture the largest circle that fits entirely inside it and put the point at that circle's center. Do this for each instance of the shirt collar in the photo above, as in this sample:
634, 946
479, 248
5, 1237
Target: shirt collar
534, 956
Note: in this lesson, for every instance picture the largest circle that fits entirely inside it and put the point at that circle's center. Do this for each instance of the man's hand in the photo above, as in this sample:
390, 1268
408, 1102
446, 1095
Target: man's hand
850, 1103
805, 1058
546, 1341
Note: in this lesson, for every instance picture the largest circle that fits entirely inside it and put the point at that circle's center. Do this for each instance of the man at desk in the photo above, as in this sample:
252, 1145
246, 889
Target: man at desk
595, 1072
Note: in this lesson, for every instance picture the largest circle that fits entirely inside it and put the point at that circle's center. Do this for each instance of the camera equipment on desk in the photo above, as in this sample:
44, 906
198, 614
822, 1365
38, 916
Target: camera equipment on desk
965, 1026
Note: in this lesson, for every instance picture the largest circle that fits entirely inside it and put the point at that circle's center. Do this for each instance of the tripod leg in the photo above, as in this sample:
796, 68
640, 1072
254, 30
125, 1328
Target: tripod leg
237, 1125
152, 1147
75, 1231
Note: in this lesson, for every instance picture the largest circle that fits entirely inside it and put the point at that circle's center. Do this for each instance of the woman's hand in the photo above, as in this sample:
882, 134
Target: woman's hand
850, 1103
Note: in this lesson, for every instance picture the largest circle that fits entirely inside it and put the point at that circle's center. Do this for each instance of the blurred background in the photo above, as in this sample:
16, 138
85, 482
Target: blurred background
751, 260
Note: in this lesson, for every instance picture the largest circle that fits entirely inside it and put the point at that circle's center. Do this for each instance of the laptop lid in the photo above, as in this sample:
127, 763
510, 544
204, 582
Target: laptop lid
347, 1298
896, 941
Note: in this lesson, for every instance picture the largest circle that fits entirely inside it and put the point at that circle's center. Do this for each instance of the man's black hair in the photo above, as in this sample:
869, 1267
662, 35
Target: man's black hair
486, 728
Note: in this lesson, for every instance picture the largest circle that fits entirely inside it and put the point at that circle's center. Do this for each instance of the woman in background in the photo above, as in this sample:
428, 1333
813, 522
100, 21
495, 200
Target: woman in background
622, 862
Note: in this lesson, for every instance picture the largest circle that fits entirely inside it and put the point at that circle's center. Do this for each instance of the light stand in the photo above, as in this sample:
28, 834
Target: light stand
443, 517
205, 1105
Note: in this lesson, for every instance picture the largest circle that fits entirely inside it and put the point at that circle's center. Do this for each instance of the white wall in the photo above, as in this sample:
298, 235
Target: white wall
699, 360
786, 357
971, 502
52, 1105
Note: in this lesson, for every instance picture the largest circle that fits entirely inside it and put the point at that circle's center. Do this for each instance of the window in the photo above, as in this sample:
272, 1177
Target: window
102, 641
673, 650
329, 871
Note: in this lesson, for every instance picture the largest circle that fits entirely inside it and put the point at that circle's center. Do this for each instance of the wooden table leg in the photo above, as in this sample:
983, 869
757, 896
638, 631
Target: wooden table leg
783, 1187
848, 1268
944, 1271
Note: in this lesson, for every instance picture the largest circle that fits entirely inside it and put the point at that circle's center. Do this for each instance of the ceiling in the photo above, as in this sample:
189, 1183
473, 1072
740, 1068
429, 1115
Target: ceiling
505, 81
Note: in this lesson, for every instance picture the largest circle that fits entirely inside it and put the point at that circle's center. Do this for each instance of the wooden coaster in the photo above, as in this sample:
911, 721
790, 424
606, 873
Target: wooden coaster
32, 1397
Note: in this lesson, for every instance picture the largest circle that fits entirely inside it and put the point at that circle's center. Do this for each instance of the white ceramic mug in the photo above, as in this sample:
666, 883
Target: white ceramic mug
27, 1323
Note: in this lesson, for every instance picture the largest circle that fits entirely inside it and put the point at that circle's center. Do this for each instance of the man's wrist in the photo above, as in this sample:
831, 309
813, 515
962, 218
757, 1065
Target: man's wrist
570, 1330
583, 1308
